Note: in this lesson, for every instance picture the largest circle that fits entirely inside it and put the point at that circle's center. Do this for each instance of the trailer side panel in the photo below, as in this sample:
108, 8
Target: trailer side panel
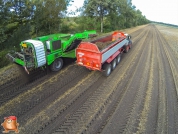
113, 50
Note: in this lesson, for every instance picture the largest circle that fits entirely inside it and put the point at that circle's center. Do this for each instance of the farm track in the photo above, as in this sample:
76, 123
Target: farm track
140, 96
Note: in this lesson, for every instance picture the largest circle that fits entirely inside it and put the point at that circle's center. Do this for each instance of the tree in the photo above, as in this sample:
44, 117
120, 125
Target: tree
48, 15
97, 8
3, 21
112, 14
13, 15
19, 10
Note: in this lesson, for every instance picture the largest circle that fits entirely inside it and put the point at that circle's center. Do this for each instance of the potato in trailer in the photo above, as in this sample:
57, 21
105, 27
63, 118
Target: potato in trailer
89, 54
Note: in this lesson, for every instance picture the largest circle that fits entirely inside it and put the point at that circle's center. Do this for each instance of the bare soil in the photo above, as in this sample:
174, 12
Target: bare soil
140, 95
102, 45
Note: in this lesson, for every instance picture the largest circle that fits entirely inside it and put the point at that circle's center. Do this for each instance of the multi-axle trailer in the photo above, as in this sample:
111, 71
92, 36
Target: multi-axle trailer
106, 58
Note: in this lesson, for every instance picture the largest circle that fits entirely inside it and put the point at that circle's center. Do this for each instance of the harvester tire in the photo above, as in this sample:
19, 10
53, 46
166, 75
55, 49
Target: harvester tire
107, 69
118, 59
56, 65
113, 64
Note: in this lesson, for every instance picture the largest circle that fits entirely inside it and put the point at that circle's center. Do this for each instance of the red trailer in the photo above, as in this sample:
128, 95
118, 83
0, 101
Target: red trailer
104, 59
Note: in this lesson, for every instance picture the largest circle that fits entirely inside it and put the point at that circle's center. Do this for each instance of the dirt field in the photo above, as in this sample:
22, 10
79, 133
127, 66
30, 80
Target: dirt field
140, 95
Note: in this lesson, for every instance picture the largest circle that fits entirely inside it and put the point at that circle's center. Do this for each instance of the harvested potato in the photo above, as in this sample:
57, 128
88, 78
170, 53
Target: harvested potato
102, 45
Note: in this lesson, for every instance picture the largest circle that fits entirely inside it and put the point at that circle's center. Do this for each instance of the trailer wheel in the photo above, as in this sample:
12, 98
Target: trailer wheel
118, 59
126, 49
113, 64
107, 69
56, 65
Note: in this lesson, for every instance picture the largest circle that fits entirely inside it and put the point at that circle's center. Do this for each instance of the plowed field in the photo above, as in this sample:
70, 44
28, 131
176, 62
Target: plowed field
140, 95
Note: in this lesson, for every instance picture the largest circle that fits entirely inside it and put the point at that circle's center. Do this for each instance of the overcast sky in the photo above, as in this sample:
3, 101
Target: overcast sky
159, 10
156, 10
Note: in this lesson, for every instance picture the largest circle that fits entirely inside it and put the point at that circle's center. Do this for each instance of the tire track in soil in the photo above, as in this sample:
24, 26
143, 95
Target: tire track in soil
167, 119
63, 81
148, 117
52, 112
40, 102
38, 91
121, 123
18, 85
138, 106
162, 115
88, 90
173, 61
72, 125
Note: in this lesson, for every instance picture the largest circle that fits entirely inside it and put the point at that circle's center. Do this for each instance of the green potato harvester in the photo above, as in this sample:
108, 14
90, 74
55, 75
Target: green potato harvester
49, 50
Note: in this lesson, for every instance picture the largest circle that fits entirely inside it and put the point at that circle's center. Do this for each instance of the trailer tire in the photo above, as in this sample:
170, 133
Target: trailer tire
118, 59
113, 64
56, 65
107, 69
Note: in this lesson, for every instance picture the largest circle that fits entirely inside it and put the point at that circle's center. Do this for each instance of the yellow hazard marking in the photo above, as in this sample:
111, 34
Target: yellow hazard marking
24, 45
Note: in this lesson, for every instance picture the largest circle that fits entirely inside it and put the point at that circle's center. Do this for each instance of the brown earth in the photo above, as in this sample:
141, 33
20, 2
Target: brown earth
102, 45
140, 95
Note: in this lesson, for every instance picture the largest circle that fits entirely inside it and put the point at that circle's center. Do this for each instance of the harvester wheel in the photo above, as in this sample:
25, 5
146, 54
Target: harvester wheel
118, 59
107, 69
56, 65
113, 64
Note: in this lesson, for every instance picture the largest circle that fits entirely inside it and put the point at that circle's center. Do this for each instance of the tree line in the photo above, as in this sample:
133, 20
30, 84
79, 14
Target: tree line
25, 19
168, 24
